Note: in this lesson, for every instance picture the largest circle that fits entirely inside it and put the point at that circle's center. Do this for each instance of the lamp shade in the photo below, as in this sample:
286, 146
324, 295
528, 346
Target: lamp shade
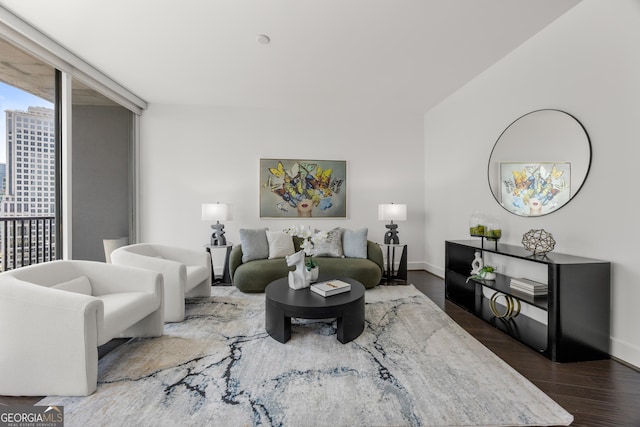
392, 212
216, 212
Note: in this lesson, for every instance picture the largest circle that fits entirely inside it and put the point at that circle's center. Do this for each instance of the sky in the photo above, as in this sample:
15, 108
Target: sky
12, 98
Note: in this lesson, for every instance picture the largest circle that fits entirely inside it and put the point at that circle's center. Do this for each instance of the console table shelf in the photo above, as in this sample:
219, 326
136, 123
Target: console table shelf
576, 306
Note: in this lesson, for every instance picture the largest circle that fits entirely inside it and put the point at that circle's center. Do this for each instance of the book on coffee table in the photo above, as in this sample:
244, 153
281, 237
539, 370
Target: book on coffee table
330, 287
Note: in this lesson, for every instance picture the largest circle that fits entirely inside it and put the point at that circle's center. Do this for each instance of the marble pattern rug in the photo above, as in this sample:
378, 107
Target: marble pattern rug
412, 366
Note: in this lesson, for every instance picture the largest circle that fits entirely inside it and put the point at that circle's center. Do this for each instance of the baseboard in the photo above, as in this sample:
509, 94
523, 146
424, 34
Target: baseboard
438, 271
415, 266
625, 353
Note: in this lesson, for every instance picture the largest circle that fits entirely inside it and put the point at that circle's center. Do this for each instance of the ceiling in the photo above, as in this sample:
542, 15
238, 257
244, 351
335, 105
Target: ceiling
21, 70
405, 55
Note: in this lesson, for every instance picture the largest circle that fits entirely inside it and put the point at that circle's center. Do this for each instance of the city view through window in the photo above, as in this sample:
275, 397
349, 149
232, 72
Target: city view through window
27, 177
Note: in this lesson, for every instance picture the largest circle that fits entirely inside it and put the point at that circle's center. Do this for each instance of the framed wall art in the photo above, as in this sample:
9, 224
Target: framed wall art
291, 188
532, 189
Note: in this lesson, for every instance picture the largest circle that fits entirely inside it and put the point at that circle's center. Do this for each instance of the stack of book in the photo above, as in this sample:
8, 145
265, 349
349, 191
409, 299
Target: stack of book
528, 286
331, 287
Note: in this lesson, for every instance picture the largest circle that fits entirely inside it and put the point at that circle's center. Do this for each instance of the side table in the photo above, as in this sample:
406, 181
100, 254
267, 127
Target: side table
226, 277
391, 276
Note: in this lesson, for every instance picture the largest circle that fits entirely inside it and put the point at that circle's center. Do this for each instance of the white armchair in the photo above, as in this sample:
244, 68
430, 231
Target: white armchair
54, 315
186, 272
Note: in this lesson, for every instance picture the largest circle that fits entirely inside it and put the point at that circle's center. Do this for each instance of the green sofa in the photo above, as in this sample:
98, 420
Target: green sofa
254, 276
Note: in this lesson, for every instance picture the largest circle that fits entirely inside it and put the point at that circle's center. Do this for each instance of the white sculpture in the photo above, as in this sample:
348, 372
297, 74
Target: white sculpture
297, 278
477, 263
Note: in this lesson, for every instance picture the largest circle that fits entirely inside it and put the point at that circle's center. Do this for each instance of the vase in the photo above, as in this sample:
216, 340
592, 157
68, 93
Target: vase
312, 275
477, 224
488, 275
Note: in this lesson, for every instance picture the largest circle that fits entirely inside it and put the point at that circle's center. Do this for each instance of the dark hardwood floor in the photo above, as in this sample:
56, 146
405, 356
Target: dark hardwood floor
600, 393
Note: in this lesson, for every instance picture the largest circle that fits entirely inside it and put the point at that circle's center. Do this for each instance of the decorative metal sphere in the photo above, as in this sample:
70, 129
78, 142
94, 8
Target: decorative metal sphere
538, 241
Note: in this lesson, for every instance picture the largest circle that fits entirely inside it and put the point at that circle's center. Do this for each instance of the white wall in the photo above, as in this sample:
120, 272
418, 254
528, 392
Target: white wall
193, 155
588, 64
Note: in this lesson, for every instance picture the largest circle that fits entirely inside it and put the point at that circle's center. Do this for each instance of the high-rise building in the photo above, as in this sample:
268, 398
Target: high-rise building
30, 186
3, 174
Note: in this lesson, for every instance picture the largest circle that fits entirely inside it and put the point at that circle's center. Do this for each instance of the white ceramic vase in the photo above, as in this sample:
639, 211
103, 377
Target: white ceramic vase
488, 275
312, 275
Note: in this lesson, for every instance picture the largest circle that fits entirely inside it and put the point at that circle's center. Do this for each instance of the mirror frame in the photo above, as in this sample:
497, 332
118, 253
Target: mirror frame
495, 185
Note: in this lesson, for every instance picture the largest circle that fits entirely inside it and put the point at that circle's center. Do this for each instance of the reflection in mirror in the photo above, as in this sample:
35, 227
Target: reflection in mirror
539, 163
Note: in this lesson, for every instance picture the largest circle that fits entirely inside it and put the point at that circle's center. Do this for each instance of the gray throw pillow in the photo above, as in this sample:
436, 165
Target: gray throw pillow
254, 244
332, 246
280, 244
354, 243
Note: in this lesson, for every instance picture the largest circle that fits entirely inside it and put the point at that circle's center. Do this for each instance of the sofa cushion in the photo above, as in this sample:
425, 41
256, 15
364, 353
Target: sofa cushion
354, 243
363, 270
256, 275
196, 274
254, 244
122, 310
331, 246
280, 244
79, 285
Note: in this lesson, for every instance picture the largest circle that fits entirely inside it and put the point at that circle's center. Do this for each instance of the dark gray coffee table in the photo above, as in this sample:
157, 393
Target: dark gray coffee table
283, 303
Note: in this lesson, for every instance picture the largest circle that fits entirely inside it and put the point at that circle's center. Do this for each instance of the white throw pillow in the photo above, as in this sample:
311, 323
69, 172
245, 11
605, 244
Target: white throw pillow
332, 246
79, 285
280, 244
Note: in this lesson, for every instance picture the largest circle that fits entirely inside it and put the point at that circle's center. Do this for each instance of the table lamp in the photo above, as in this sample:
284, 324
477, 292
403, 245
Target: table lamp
392, 212
217, 212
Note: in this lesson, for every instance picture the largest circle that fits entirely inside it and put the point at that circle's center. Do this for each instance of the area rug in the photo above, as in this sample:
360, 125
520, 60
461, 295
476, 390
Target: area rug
412, 366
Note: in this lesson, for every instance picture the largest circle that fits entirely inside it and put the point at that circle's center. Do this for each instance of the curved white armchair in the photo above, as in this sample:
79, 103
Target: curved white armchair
186, 272
54, 315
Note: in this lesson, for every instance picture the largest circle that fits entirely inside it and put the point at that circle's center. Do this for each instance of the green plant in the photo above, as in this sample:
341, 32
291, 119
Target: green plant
482, 274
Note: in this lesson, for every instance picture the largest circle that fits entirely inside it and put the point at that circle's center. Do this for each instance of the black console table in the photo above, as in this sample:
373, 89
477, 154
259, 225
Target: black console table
577, 303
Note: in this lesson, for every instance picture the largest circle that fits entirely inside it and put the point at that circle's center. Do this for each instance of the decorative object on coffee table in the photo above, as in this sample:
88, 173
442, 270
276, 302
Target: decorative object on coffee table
392, 212
540, 242
309, 240
297, 278
217, 212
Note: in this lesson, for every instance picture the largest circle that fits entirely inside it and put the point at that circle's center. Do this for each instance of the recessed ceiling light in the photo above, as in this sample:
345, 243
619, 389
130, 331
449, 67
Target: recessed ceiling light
263, 39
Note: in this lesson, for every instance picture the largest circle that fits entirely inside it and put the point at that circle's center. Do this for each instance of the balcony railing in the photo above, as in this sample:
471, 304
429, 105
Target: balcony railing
26, 241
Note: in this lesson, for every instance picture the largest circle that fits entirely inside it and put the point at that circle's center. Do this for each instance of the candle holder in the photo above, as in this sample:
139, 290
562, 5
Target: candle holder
493, 231
477, 223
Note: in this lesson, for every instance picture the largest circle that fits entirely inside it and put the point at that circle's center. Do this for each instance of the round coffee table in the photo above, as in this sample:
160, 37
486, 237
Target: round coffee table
283, 303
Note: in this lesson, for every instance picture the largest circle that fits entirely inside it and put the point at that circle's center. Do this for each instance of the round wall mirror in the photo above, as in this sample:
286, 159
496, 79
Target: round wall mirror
539, 163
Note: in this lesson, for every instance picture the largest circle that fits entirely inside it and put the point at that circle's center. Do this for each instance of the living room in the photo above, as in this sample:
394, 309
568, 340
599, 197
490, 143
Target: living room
432, 158
435, 163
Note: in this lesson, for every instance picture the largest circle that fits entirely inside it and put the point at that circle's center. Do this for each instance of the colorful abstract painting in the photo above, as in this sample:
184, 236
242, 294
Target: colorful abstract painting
303, 188
532, 189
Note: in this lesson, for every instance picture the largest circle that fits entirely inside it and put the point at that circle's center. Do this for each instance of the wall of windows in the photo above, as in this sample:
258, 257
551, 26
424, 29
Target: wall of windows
75, 168
28, 146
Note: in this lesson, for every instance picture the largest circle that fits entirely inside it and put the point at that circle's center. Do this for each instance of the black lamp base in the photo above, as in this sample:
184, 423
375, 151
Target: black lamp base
217, 238
391, 236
